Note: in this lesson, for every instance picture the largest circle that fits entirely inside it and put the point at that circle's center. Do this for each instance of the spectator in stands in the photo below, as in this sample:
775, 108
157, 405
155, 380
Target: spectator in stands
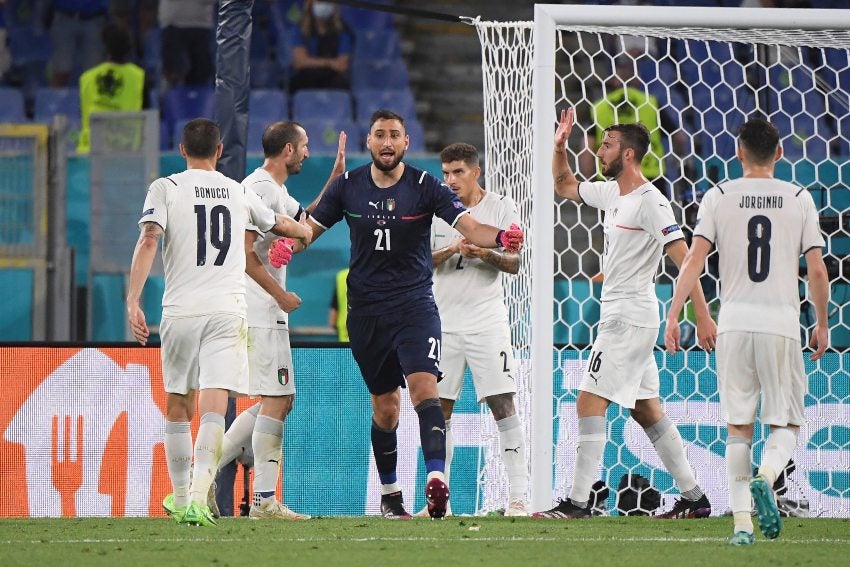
338, 315
75, 34
626, 101
187, 34
114, 85
322, 49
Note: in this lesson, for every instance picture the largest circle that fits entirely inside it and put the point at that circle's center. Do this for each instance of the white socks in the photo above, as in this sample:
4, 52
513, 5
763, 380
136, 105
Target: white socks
777, 451
667, 440
267, 442
740, 472
178, 455
591, 443
238, 435
207, 454
512, 443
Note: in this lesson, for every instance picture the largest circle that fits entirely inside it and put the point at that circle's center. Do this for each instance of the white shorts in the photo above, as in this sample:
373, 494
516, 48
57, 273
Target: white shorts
753, 363
621, 367
208, 351
490, 358
270, 363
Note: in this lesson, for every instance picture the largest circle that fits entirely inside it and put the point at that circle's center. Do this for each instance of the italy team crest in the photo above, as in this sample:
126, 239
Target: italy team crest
390, 204
283, 376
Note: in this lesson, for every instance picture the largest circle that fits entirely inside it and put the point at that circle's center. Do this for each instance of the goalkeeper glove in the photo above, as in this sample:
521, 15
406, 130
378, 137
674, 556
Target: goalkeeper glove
280, 252
511, 239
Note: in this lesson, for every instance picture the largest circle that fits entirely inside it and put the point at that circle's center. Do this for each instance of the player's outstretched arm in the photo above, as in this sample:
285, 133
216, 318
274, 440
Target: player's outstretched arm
488, 236
140, 269
819, 292
337, 170
286, 300
566, 183
690, 263
288, 226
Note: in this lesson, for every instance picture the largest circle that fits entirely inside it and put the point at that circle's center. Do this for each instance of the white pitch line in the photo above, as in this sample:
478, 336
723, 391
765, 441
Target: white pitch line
415, 539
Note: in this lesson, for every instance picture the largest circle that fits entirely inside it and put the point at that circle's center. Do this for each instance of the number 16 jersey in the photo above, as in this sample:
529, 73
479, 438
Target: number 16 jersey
760, 228
204, 215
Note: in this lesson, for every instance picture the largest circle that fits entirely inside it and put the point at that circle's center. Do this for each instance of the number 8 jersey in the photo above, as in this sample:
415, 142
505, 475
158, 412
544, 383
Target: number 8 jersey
204, 215
760, 228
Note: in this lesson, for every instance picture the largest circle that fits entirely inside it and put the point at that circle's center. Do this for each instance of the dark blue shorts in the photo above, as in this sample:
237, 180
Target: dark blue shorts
391, 346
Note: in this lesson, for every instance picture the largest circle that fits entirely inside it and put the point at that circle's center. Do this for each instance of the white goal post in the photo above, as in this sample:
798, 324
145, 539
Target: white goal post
532, 70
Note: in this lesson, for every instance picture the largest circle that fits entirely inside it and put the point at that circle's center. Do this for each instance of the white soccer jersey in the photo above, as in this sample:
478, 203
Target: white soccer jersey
204, 215
469, 292
263, 311
760, 228
637, 227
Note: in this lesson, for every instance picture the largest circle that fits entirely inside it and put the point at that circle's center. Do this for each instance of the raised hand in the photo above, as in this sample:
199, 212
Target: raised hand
565, 126
339, 163
280, 252
511, 239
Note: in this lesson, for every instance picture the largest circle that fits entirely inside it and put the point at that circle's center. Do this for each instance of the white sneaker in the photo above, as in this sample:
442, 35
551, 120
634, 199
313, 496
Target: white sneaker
516, 508
271, 509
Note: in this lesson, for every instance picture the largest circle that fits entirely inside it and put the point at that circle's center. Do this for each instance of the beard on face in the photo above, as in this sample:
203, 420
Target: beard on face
294, 167
376, 159
614, 168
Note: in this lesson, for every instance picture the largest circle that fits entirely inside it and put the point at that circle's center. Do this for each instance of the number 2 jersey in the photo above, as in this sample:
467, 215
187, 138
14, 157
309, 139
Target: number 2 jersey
760, 228
390, 229
468, 290
204, 215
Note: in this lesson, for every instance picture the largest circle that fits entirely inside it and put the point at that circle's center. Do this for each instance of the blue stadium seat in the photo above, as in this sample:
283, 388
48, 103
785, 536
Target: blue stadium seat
321, 104
376, 44
185, 103
399, 101
379, 74
50, 102
324, 135
11, 105
265, 74
268, 105
360, 20
416, 133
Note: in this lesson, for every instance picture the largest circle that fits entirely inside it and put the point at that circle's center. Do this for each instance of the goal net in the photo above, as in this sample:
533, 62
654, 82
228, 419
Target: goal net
693, 75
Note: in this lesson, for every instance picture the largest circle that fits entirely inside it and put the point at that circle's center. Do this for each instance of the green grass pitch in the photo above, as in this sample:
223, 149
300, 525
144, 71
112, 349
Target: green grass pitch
376, 542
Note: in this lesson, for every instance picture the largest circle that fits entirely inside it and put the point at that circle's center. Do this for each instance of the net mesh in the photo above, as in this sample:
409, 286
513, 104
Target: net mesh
701, 85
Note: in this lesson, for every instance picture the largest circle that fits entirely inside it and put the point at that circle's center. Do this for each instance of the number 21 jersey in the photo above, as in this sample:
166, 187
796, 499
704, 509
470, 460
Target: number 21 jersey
760, 228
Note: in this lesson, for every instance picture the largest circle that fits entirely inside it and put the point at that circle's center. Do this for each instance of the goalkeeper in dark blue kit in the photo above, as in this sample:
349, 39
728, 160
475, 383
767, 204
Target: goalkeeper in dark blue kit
393, 321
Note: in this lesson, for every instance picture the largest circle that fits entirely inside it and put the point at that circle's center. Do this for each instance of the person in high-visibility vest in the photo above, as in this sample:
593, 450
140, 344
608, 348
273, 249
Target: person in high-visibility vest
338, 316
114, 85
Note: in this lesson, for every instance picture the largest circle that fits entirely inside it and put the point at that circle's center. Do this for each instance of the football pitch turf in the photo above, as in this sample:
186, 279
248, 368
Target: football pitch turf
377, 542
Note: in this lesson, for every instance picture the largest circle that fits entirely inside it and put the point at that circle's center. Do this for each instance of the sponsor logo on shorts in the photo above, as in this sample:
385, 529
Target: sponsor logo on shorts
283, 376
669, 229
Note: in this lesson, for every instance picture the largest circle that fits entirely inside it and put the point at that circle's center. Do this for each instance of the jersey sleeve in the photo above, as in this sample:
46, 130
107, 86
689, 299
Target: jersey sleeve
705, 226
812, 236
508, 213
446, 204
154, 209
598, 194
259, 215
659, 219
329, 211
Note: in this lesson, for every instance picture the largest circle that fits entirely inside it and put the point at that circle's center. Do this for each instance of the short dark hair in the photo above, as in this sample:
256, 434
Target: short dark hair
201, 138
467, 153
634, 136
116, 40
384, 114
277, 135
759, 140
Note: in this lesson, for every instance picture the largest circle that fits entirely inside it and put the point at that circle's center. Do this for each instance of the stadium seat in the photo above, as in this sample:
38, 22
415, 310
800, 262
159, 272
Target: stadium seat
52, 102
265, 74
268, 105
186, 103
379, 74
324, 135
11, 105
376, 44
321, 104
416, 133
256, 127
360, 20
399, 101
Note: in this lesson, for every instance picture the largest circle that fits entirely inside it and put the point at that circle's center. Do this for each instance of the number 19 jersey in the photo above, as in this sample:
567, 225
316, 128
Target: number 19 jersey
204, 215
760, 228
